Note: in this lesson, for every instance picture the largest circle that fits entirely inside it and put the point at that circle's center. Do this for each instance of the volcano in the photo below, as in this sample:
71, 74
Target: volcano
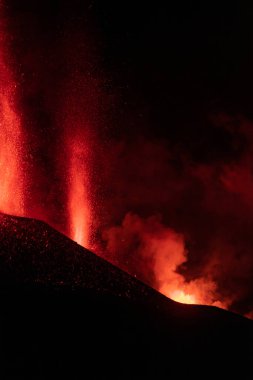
66, 311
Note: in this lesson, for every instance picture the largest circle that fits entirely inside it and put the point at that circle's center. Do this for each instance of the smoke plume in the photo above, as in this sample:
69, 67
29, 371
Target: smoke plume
199, 249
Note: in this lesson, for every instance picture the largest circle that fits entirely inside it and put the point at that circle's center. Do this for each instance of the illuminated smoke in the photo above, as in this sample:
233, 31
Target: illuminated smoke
11, 137
206, 208
146, 245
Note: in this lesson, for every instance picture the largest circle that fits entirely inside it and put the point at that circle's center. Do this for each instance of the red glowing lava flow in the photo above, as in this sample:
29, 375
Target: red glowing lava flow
11, 183
78, 199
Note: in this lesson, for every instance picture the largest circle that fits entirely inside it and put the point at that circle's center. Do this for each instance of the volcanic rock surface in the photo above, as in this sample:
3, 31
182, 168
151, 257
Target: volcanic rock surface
67, 312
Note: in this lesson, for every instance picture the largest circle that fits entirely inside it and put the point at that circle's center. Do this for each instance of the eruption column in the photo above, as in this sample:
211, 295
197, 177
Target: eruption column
78, 202
11, 181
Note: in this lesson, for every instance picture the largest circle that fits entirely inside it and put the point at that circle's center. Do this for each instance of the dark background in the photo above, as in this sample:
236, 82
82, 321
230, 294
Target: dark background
168, 67
178, 63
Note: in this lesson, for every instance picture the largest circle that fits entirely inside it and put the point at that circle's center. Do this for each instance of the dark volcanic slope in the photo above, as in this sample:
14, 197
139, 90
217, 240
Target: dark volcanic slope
65, 311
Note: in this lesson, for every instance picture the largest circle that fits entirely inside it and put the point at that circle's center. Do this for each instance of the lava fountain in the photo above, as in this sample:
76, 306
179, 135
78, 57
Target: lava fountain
78, 198
11, 136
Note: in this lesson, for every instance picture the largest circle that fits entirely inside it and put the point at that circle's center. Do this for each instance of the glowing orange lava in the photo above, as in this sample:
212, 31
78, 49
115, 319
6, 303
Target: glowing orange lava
182, 297
200, 291
78, 203
11, 176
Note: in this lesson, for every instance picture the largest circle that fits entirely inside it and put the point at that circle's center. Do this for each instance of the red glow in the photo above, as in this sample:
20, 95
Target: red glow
201, 291
162, 249
207, 206
11, 184
182, 297
78, 201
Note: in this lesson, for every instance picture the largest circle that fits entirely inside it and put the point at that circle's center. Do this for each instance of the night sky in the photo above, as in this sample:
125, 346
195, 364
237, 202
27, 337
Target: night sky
179, 64
166, 90
169, 68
